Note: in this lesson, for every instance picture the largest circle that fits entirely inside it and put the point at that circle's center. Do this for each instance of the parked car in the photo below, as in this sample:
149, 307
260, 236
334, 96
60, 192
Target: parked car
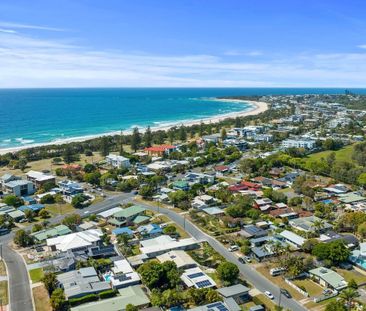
233, 248
269, 294
286, 293
245, 259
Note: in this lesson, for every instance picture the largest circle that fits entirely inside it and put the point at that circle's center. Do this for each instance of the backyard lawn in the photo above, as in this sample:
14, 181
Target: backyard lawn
36, 275
352, 274
60, 209
310, 287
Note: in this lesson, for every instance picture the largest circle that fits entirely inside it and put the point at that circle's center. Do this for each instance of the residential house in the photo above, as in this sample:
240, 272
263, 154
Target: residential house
160, 150
309, 224
199, 178
133, 295
79, 283
122, 275
195, 277
179, 257
149, 231
264, 204
45, 234
7, 178
180, 185
292, 239
252, 231
16, 215
128, 216
328, 278
238, 292
226, 305
77, 241
298, 143
39, 178
19, 187
117, 161
164, 243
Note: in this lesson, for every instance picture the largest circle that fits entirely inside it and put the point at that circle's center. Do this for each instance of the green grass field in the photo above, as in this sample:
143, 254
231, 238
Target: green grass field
344, 154
36, 275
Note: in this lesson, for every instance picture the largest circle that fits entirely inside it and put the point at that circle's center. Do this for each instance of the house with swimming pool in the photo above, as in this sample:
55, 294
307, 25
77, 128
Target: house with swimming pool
358, 256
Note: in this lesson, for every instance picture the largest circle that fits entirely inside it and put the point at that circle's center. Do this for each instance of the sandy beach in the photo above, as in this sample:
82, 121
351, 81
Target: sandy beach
256, 108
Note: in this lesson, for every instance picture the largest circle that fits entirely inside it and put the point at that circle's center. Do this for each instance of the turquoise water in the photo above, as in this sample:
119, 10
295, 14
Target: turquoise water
31, 116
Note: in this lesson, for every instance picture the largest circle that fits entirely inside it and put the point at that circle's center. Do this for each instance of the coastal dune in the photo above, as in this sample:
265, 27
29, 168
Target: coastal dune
256, 108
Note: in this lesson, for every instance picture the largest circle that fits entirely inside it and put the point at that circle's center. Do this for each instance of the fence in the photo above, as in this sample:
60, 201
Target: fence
294, 286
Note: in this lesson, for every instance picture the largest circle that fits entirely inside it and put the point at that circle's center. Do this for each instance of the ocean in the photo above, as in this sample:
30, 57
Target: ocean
34, 116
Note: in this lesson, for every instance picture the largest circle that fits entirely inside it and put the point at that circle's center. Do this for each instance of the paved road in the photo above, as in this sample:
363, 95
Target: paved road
20, 295
251, 275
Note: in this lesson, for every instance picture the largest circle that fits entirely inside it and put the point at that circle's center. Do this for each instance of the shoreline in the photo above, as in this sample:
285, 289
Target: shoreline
254, 109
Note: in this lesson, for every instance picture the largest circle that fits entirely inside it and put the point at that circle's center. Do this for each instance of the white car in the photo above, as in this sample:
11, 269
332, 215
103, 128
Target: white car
233, 248
269, 294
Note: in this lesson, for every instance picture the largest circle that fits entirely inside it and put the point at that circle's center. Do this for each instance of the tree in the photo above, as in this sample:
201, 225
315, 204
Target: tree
58, 301
50, 281
88, 168
182, 133
68, 155
352, 284
362, 230
223, 134
170, 230
47, 199
148, 137
23, 238
362, 180
78, 200
13, 200
29, 215
104, 146
336, 251
135, 139
92, 178
157, 275
131, 307
228, 272
348, 296
72, 221
48, 186
335, 305
146, 191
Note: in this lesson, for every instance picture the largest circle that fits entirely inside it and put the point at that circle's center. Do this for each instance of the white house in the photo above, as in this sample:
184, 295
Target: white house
75, 241
19, 187
195, 277
123, 275
117, 161
298, 143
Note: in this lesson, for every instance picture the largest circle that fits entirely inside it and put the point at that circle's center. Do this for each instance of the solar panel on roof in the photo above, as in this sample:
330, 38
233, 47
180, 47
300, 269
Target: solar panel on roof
203, 284
195, 275
217, 306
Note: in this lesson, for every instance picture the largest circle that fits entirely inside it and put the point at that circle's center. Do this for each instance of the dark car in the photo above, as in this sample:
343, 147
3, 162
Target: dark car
286, 293
4, 231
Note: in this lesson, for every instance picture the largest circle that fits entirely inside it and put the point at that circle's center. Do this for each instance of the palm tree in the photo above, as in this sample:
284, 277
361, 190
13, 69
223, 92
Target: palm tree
318, 225
348, 296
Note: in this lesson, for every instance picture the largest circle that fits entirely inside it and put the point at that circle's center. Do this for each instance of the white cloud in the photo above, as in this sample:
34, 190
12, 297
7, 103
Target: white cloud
7, 30
33, 62
362, 46
27, 26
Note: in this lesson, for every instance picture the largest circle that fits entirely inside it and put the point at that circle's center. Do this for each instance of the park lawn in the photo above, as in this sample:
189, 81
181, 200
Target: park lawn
344, 154
279, 281
41, 299
36, 275
46, 164
2, 268
4, 292
60, 209
352, 274
311, 287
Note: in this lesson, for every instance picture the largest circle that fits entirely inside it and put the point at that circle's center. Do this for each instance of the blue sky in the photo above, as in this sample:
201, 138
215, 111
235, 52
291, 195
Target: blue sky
228, 43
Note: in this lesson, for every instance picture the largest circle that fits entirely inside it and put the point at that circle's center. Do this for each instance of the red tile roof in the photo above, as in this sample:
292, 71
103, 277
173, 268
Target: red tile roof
160, 148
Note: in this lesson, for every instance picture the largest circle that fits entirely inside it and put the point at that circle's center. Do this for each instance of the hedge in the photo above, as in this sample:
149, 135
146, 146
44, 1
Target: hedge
107, 294
78, 301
